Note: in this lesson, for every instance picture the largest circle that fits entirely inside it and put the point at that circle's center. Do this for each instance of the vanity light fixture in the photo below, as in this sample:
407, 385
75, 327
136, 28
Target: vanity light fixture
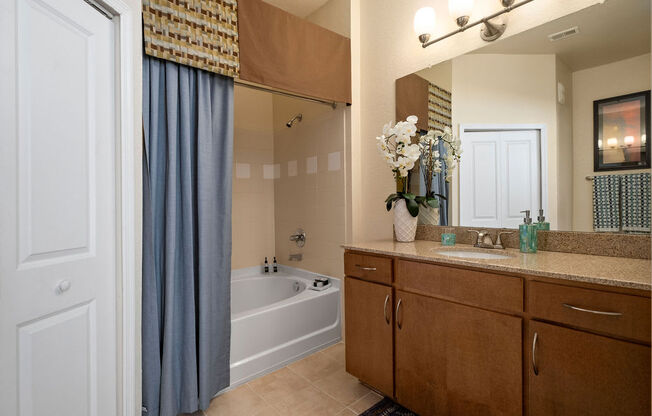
460, 10
612, 142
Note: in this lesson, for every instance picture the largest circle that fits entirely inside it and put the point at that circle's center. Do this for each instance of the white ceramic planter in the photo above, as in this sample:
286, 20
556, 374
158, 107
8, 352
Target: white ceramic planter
428, 216
405, 225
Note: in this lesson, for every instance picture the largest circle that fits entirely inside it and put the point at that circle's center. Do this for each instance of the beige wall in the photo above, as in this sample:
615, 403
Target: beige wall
334, 15
386, 48
440, 75
510, 89
617, 78
564, 148
253, 194
305, 197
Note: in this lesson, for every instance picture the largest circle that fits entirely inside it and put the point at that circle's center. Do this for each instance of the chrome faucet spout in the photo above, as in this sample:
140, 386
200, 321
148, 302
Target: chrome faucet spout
483, 239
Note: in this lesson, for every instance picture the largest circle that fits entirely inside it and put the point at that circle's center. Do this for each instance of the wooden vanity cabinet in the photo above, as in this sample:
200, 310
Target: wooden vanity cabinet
461, 341
368, 333
453, 359
578, 373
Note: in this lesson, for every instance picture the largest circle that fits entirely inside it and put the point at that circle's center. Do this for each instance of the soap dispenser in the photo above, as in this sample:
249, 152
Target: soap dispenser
541, 222
527, 234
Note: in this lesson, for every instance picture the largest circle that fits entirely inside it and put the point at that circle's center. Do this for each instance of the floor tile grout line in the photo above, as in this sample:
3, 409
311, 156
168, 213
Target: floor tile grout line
318, 388
267, 402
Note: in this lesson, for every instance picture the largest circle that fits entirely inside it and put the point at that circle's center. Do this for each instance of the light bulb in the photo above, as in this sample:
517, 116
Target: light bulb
424, 21
599, 143
629, 140
612, 142
643, 138
460, 8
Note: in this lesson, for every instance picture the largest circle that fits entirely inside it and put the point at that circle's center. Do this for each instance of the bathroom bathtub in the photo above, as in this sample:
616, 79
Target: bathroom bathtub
276, 319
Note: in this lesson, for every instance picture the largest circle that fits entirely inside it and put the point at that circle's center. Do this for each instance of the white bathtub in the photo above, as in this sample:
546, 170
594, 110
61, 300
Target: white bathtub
276, 319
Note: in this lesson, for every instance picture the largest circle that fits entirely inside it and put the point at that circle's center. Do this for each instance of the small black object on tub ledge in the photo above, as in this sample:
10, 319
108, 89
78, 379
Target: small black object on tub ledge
320, 283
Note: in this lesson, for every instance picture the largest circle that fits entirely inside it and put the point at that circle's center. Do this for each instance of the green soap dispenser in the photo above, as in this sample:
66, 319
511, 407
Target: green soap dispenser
542, 224
527, 234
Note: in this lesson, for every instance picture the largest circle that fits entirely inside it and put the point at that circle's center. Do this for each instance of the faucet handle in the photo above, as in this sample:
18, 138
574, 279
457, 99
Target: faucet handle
477, 235
499, 242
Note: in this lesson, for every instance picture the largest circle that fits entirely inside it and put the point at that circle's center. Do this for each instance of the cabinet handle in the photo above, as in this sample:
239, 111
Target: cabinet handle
534, 354
369, 269
398, 321
385, 309
577, 308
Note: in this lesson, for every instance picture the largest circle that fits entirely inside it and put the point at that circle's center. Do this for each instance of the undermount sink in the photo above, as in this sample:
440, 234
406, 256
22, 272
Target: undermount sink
473, 254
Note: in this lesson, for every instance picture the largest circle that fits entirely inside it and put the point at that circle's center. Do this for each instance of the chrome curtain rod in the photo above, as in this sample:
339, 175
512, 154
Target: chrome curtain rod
477, 22
331, 104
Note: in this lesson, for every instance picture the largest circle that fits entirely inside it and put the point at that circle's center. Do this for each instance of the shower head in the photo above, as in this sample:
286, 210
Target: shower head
294, 119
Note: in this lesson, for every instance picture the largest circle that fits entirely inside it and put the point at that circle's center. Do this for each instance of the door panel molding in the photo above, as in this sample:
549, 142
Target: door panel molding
543, 161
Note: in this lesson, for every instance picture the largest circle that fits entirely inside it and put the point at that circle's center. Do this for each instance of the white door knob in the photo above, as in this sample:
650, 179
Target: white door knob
62, 286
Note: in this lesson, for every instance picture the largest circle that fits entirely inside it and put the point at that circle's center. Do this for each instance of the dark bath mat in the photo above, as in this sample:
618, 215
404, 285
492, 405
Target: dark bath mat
386, 407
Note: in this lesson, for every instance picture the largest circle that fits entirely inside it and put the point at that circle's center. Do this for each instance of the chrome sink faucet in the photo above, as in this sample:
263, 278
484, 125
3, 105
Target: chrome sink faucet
484, 240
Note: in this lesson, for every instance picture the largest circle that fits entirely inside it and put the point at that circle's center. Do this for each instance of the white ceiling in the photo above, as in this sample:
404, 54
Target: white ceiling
301, 8
609, 32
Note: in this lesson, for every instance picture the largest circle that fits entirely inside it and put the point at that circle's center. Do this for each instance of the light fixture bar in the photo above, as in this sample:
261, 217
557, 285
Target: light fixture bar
485, 20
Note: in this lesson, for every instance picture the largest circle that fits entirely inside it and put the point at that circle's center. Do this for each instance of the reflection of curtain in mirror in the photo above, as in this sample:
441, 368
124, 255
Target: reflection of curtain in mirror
439, 185
439, 117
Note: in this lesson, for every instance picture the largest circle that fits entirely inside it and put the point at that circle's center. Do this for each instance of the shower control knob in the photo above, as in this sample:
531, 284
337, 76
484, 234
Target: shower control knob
62, 286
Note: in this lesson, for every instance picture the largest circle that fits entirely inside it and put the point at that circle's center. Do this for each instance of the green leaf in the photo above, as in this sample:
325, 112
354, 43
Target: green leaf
412, 207
441, 196
409, 196
433, 202
389, 204
391, 197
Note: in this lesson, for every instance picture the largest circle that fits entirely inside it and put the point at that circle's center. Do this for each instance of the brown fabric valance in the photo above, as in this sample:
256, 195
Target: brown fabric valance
198, 33
431, 104
283, 51
412, 99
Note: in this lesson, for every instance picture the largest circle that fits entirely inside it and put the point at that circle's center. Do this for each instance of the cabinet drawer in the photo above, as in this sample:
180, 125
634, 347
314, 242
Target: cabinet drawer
482, 289
371, 268
611, 313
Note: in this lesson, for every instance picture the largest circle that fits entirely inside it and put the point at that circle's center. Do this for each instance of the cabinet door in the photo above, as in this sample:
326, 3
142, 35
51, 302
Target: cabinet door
368, 333
577, 373
457, 360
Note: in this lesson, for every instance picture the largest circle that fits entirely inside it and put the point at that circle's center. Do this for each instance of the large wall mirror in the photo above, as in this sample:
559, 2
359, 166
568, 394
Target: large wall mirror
523, 107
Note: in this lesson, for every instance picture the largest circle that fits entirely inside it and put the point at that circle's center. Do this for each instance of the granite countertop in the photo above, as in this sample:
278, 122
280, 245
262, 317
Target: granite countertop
610, 271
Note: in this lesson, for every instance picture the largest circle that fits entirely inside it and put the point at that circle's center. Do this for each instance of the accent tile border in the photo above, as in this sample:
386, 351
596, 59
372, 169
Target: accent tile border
635, 246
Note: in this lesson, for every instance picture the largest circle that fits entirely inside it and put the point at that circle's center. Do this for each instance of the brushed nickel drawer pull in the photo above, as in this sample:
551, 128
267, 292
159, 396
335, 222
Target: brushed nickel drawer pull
577, 308
534, 354
369, 269
385, 309
398, 321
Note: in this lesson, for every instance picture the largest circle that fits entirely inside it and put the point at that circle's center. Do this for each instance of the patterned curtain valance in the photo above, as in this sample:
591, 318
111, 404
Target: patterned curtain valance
439, 108
198, 33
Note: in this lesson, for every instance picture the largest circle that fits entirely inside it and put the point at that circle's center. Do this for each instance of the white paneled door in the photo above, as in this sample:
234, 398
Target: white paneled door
499, 177
58, 254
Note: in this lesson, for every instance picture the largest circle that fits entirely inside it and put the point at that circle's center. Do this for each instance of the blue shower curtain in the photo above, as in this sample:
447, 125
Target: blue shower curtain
186, 322
439, 185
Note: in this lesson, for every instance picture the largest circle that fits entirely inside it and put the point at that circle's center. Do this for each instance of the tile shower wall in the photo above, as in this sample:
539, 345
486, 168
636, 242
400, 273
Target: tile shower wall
253, 178
310, 190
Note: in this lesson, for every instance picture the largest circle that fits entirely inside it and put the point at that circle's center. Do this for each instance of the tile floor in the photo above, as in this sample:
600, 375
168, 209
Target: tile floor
316, 385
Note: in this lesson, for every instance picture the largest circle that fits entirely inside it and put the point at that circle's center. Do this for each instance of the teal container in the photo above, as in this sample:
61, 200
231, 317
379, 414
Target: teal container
545, 226
527, 233
447, 239
541, 222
